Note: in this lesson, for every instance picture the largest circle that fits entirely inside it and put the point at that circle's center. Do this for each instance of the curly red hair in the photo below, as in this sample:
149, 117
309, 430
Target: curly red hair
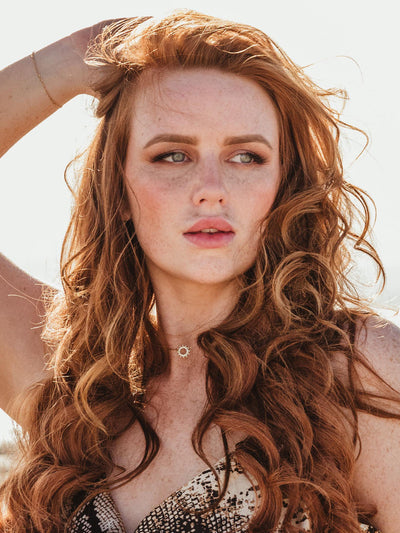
270, 362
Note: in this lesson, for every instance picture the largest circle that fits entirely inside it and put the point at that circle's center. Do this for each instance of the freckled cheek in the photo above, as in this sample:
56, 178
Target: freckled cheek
258, 206
148, 206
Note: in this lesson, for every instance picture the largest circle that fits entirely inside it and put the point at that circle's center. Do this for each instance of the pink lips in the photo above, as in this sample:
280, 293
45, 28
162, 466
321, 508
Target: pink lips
221, 237
211, 223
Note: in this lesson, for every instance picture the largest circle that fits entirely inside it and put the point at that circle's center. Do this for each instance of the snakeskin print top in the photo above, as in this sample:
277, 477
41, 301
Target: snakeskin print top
100, 515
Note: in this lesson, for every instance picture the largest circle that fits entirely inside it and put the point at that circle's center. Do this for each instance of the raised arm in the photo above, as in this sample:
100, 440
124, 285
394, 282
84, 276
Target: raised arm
31, 90
36, 86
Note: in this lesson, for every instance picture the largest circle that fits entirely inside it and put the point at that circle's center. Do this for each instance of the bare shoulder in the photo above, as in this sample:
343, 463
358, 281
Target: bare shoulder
377, 473
379, 341
22, 352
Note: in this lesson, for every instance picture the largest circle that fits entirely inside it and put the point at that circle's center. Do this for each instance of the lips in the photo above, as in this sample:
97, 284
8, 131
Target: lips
206, 224
210, 233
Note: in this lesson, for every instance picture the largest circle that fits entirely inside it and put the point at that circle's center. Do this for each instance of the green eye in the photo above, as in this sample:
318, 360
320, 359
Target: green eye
171, 157
177, 157
246, 158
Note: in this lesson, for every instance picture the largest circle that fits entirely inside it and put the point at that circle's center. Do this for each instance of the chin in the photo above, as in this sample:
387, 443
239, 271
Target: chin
198, 272
214, 276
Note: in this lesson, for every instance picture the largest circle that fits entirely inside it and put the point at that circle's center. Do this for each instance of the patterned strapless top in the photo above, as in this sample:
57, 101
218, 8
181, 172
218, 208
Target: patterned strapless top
100, 515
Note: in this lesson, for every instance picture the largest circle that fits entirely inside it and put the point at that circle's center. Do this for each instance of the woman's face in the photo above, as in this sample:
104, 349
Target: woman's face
202, 171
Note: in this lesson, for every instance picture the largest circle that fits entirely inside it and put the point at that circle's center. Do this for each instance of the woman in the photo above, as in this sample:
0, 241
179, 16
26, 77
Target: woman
207, 323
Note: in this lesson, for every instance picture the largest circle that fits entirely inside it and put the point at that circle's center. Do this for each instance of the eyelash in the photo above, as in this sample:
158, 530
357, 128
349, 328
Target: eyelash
257, 159
161, 157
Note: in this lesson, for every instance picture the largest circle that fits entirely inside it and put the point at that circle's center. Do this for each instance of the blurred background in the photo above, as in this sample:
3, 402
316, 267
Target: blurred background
352, 45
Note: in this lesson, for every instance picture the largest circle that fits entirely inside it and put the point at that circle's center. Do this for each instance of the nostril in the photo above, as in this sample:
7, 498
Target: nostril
209, 196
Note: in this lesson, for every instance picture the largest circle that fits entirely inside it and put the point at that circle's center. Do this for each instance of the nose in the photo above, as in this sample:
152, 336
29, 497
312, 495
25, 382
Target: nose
209, 186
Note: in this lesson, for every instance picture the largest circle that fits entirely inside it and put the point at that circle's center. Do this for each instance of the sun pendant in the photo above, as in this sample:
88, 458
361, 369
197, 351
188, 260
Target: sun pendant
183, 351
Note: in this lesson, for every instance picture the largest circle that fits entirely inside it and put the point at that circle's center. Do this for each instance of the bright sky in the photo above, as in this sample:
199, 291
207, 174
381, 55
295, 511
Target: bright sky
351, 44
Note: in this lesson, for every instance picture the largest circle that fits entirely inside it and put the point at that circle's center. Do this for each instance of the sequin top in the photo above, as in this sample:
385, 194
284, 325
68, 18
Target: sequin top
100, 515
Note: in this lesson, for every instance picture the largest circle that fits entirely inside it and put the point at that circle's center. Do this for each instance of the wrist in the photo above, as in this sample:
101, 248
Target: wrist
62, 70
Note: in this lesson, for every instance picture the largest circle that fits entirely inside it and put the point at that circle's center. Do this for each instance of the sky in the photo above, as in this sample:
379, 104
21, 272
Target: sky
350, 44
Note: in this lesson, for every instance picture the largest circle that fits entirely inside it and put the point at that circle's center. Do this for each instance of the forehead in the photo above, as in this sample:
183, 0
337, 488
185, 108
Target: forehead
202, 99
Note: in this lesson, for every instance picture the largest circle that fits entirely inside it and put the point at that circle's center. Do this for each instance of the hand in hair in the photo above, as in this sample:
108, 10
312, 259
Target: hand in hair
33, 88
80, 42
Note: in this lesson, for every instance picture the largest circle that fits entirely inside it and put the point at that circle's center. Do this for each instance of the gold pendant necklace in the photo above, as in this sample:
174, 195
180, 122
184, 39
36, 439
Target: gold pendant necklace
183, 351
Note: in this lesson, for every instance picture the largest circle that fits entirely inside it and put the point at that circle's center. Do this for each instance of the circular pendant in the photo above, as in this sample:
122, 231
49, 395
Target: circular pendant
183, 351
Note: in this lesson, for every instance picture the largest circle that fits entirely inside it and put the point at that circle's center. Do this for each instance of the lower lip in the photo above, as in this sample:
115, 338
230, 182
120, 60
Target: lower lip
210, 240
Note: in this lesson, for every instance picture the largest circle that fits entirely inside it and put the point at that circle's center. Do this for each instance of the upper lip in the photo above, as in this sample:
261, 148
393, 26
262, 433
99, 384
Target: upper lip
210, 223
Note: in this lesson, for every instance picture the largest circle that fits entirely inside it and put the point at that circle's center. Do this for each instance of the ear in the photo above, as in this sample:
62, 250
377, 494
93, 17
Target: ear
125, 210
126, 214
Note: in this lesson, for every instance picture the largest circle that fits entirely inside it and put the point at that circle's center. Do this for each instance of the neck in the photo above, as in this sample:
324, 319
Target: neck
185, 310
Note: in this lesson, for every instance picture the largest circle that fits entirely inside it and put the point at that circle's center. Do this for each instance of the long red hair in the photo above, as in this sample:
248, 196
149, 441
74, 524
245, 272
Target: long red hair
270, 362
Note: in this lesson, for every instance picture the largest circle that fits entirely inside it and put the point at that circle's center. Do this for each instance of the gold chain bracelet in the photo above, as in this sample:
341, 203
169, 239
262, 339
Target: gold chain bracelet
42, 82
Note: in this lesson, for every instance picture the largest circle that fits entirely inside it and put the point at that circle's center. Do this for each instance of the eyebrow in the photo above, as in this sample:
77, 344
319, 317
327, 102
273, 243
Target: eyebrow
167, 137
185, 139
242, 139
